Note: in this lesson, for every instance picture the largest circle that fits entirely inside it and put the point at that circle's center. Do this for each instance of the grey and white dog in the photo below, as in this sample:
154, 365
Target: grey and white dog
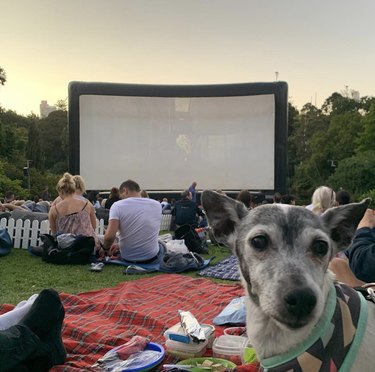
283, 253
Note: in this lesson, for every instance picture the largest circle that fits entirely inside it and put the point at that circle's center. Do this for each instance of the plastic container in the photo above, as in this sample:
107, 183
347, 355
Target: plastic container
183, 350
236, 331
194, 361
144, 364
177, 333
230, 348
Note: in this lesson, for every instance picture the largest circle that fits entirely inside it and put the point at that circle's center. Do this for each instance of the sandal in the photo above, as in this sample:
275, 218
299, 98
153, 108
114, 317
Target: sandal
97, 267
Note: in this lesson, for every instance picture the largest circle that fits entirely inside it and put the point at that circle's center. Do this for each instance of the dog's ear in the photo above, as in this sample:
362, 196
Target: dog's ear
342, 222
223, 215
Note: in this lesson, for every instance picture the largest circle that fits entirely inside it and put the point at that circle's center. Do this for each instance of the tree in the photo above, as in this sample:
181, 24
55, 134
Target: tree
34, 149
337, 104
366, 140
293, 124
3, 76
355, 174
366, 103
61, 105
308, 134
344, 129
53, 133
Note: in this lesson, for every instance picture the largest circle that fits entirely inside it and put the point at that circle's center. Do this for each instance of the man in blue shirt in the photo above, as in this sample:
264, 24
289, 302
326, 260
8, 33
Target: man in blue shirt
193, 191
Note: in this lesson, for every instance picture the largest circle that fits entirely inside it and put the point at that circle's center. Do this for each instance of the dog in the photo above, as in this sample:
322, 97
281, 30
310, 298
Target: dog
284, 253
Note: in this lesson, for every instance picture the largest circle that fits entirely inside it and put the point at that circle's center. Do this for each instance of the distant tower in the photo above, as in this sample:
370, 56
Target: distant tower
46, 109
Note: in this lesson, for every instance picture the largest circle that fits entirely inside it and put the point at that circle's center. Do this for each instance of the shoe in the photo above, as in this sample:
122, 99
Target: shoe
36, 251
97, 267
43, 313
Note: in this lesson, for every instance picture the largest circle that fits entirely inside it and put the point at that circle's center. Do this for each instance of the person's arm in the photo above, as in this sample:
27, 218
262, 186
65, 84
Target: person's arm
92, 215
361, 252
110, 234
52, 215
11, 207
56, 201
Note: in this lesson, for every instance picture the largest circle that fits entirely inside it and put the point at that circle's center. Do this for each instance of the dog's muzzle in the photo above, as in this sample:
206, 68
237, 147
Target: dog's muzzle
298, 305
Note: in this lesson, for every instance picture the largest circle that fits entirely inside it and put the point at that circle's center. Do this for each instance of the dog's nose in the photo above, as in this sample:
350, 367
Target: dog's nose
300, 302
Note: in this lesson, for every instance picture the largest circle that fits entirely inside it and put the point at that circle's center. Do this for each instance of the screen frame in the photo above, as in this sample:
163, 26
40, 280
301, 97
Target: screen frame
278, 89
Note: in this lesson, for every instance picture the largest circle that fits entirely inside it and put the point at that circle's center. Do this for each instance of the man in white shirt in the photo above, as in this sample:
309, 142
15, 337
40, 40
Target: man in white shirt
137, 220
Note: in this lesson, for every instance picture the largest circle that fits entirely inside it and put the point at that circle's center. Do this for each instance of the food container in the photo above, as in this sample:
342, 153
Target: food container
183, 350
236, 331
177, 333
230, 348
196, 362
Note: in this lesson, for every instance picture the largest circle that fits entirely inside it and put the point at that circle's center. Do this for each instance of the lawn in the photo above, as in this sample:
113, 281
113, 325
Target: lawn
21, 275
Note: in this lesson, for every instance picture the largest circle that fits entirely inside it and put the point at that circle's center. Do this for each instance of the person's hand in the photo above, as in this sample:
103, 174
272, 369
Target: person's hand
114, 250
101, 253
368, 219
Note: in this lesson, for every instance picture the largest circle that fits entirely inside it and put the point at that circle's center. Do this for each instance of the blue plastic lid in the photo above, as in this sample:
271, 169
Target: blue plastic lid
146, 365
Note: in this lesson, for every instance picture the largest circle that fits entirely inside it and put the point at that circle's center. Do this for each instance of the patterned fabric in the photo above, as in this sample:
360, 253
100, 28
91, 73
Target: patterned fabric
227, 269
97, 321
330, 350
77, 223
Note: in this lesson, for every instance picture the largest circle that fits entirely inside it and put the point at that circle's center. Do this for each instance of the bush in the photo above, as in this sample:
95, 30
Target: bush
369, 194
355, 174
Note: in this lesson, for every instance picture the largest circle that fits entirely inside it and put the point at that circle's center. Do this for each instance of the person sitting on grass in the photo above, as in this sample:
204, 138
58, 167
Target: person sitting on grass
137, 220
343, 197
357, 267
322, 199
72, 215
80, 186
30, 334
246, 198
114, 196
186, 211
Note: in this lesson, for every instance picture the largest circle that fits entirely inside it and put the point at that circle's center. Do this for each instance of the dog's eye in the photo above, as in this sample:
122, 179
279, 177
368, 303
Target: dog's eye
259, 242
320, 247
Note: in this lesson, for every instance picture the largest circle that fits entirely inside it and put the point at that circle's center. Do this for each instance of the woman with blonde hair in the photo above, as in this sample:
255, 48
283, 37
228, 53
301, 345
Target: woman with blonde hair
80, 188
80, 185
72, 214
323, 198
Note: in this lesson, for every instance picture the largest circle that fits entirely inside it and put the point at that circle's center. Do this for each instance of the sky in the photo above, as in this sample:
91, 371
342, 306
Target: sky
318, 47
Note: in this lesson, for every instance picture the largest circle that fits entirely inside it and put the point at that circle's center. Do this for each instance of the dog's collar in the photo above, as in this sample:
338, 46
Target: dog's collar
324, 345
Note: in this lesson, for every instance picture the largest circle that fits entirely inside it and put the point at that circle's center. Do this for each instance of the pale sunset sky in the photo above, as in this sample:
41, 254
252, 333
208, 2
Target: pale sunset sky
317, 47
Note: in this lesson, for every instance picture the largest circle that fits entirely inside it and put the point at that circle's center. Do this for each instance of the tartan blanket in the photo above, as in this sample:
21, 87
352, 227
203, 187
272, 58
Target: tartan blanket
227, 269
97, 321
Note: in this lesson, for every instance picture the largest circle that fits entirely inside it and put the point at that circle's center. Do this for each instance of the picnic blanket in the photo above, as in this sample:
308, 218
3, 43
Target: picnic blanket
97, 321
227, 269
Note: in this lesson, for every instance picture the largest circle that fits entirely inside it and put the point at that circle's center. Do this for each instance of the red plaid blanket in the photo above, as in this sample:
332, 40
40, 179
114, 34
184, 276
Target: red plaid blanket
97, 321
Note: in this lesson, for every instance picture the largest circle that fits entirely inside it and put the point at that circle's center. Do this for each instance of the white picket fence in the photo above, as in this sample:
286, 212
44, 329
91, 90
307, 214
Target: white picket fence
26, 233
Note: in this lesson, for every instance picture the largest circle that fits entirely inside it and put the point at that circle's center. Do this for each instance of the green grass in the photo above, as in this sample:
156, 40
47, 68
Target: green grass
21, 275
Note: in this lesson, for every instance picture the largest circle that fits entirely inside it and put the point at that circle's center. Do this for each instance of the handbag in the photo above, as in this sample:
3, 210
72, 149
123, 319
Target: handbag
79, 253
191, 238
6, 243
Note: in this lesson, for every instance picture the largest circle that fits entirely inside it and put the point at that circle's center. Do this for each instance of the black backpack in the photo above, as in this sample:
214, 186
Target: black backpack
192, 240
79, 252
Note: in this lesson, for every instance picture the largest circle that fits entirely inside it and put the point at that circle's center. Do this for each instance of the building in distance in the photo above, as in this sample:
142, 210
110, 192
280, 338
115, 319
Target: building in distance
46, 109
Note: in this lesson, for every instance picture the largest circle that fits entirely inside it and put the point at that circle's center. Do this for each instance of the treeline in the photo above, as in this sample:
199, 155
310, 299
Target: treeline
40, 143
333, 145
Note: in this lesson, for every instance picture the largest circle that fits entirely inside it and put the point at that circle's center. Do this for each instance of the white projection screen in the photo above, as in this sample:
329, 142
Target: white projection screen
228, 137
